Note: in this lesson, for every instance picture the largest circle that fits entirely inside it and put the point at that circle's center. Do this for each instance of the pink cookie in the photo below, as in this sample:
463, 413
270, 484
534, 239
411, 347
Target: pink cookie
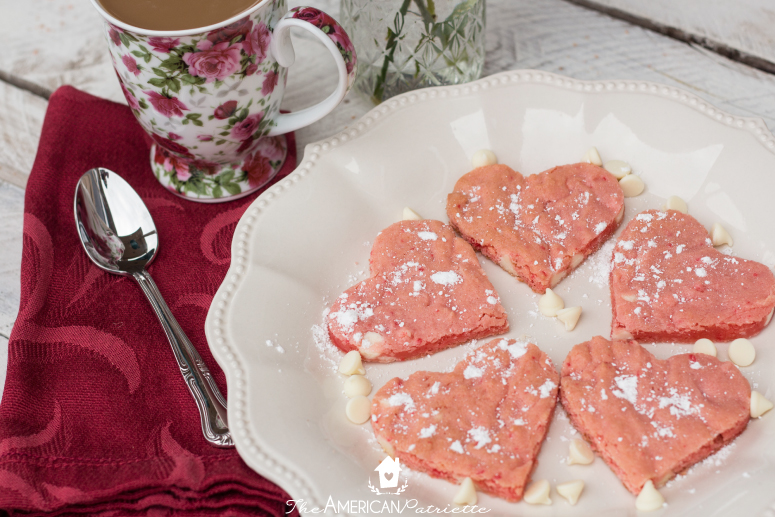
427, 292
668, 283
485, 420
541, 227
651, 419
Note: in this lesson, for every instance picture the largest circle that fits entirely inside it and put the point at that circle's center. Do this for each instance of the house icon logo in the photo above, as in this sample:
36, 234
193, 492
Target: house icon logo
389, 472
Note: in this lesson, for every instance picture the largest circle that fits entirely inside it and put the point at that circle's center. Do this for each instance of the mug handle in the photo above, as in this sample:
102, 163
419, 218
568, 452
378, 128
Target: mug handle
327, 30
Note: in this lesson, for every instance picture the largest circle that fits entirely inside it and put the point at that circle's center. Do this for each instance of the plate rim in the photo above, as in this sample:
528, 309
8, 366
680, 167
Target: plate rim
249, 447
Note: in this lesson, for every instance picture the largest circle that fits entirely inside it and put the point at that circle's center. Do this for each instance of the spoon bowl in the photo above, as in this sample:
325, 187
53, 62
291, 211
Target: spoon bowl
116, 229
119, 236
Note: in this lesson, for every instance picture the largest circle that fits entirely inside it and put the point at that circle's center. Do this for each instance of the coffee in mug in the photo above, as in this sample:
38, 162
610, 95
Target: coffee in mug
172, 15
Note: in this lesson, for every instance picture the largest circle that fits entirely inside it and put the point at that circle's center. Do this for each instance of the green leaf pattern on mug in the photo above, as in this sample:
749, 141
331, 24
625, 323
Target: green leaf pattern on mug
209, 95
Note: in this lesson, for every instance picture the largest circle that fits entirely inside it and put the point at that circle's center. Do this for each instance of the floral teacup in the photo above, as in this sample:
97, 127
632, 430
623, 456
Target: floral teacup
210, 97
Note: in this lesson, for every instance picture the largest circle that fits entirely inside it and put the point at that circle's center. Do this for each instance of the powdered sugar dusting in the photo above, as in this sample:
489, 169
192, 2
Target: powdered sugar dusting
679, 404
480, 435
350, 314
435, 388
402, 399
718, 459
598, 266
516, 349
427, 432
446, 278
472, 372
546, 388
628, 388
328, 352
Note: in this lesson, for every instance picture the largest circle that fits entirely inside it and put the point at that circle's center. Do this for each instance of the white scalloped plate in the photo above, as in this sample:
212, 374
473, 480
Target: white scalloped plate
308, 238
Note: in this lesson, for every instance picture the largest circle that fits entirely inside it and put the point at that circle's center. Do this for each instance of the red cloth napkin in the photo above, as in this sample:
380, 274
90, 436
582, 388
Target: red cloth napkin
95, 417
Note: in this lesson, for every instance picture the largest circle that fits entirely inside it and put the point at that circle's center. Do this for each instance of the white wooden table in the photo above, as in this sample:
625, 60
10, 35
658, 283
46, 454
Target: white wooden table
721, 51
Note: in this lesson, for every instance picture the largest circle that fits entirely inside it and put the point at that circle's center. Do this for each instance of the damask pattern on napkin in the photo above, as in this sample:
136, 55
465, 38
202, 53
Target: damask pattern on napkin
95, 417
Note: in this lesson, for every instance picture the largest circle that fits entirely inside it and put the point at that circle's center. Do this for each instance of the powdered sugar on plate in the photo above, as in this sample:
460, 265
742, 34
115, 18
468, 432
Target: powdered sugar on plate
328, 353
597, 267
714, 461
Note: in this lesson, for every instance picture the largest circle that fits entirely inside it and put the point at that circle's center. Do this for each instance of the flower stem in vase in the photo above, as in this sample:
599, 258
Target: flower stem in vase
390, 47
428, 13
440, 56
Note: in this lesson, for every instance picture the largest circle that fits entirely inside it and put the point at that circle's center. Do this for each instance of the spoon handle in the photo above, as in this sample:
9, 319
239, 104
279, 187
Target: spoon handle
211, 404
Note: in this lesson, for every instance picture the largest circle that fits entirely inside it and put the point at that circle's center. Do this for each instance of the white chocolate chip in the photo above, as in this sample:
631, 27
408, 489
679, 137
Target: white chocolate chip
356, 385
571, 490
411, 215
466, 495
576, 260
483, 157
720, 236
507, 266
367, 348
620, 215
649, 498
741, 352
769, 317
351, 363
538, 493
676, 203
618, 168
759, 404
620, 334
705, 346
358, 410
387, 447
580, 453
368, 353
592, 156
631, 185
557, 277
372, 338
569, 316
550, 303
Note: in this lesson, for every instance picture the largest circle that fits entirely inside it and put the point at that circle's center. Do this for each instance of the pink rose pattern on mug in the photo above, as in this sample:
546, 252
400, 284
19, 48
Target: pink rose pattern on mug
207, 101
333, 30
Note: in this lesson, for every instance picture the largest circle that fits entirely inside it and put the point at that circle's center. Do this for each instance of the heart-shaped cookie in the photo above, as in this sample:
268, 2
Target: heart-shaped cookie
668, 283
427, 291
540, 227
651, 419
485, 420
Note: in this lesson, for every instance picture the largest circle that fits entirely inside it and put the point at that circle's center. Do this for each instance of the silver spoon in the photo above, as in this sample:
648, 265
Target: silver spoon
118, 234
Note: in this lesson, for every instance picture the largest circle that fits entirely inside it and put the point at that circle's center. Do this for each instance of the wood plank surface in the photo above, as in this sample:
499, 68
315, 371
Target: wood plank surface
54, 42
3, 363
12, 217
742, 25
21, 118
564, 38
